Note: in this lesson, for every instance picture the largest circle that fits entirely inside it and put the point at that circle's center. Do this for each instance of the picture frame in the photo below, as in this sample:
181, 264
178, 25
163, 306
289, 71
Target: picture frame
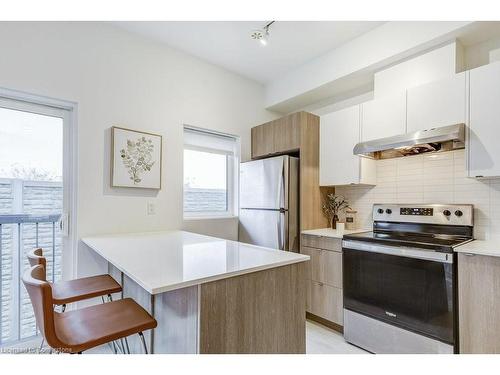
136, 158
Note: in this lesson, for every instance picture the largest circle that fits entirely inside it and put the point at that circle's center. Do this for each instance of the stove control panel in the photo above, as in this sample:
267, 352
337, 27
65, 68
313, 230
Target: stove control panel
420, 211
450, 214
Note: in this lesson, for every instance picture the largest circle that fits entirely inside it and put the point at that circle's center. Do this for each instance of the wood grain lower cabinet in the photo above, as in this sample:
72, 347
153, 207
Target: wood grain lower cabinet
324, 277
325, 266
325, 301
479, 303
322, 242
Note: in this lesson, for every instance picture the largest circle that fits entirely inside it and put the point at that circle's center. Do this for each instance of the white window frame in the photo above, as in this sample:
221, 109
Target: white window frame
232, 175
68, 111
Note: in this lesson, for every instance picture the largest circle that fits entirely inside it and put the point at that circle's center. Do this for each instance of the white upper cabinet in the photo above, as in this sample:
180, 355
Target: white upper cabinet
339, 133
384, 117
436, 104
484, 121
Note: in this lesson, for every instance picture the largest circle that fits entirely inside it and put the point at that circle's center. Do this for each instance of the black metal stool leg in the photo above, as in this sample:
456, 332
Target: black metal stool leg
143, 343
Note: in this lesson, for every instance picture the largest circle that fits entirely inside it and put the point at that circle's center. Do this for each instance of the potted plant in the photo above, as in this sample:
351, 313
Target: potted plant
332, 205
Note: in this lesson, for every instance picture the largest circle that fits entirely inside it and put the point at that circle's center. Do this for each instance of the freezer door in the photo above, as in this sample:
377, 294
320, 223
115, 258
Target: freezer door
262, 183
262, 228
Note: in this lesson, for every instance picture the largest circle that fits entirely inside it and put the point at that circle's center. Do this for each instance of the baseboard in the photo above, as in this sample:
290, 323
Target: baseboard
325, 322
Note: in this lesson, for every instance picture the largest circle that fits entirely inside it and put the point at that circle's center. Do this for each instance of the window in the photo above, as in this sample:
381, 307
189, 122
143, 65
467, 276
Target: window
211, 162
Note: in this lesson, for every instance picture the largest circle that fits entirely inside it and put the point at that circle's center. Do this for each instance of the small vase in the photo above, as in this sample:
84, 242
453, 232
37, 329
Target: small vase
333, 222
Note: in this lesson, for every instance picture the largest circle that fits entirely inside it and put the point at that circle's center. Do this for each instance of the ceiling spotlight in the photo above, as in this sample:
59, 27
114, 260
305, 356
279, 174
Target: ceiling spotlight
262, 35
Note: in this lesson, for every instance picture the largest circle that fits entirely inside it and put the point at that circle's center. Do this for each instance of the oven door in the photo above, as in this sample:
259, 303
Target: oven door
406, 287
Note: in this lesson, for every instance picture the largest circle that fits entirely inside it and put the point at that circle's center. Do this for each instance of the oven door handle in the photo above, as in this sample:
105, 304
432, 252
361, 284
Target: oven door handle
408, 252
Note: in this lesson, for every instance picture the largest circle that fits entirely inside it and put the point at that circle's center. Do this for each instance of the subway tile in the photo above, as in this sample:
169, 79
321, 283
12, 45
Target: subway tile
441, 157
439, 170
437, 197
410, 198
481, 232
431, 178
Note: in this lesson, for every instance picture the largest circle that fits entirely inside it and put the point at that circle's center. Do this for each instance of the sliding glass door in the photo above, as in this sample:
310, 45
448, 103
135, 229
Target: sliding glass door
34, 205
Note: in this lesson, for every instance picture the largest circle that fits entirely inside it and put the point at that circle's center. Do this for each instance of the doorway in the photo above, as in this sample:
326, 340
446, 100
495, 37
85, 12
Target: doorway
36, 195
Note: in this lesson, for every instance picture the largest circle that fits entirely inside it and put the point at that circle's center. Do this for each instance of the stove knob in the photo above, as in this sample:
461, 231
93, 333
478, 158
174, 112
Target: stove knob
446, 213
380, 211
388, 211
458, 213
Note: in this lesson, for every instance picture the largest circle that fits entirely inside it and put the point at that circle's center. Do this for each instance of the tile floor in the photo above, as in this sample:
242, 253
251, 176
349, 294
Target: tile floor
323, 340
319, 340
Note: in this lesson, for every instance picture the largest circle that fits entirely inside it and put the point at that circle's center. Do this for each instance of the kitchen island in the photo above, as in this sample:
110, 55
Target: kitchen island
210, 295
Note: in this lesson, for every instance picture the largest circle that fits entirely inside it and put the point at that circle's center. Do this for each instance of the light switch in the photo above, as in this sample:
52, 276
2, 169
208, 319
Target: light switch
151, 208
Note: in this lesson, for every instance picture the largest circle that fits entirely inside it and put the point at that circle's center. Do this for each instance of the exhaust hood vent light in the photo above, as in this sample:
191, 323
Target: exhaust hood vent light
445, 138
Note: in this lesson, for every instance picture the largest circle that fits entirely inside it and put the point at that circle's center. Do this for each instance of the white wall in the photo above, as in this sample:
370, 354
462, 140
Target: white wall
121, 79
380, 47
429, 178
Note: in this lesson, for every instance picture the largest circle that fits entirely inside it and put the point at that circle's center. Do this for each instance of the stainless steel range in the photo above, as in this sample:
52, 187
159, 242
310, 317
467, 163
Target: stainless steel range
400, 278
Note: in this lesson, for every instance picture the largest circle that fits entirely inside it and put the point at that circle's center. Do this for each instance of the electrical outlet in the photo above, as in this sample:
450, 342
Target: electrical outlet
151, 208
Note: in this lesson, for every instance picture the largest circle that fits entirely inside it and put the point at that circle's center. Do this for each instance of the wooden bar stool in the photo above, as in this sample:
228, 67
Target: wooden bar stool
64, 292
79, 330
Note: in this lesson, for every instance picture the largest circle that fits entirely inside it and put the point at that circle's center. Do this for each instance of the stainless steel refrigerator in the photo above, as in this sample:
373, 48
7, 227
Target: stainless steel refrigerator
269, 194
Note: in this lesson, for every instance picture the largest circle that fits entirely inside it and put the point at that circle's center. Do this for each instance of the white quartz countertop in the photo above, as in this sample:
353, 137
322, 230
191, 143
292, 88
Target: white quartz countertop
481, 247
163, 261
334, 233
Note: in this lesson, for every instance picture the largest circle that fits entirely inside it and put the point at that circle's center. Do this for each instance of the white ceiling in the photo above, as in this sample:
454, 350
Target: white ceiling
228, 44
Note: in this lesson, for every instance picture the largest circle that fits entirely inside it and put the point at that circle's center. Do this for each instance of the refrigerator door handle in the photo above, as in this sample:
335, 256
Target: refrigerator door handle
283, 188
280, 232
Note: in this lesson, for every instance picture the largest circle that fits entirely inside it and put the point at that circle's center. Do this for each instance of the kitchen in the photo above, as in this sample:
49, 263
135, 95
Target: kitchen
349, 211
423, 164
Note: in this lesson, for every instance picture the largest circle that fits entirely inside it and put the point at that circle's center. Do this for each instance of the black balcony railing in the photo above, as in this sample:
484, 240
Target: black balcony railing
23, 232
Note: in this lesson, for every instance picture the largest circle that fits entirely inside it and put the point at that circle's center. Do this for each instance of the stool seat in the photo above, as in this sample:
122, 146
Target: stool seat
89, 327
65, 292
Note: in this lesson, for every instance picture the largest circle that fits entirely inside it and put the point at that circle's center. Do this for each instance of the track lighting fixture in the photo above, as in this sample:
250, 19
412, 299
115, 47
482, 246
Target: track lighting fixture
262, 35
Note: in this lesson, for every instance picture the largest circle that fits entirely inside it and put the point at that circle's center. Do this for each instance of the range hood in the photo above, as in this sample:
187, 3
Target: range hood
444, 138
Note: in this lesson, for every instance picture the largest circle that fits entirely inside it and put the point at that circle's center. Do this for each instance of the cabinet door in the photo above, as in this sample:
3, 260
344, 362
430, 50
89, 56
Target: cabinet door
286, 133
314, 268
325, 301
384, 117
437, 104
339, 133
479, 303
332, 268
484, 115
262, 140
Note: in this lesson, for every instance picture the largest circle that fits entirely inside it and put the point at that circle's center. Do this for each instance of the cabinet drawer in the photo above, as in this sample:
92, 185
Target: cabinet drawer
325, 266
321, 242
325, 301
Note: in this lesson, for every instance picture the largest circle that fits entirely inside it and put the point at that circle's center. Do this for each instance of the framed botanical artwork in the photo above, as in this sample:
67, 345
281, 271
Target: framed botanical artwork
135, 158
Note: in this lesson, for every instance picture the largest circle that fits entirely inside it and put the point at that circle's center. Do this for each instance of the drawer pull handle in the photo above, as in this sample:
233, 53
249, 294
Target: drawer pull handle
468, 254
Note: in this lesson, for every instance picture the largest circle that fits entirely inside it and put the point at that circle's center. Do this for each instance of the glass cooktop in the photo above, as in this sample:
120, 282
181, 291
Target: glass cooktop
436, 242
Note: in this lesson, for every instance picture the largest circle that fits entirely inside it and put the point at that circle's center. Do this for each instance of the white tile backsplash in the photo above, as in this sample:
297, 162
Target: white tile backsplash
429, 178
